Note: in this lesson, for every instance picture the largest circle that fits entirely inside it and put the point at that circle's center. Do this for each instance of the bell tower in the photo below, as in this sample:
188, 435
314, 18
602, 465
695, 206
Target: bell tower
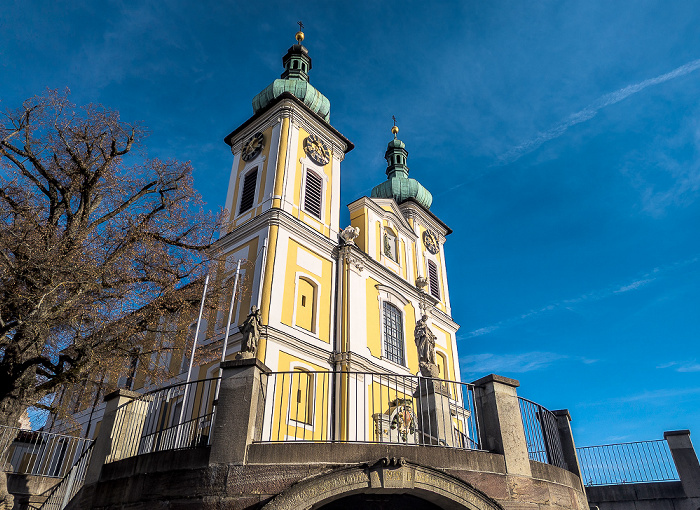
283, 203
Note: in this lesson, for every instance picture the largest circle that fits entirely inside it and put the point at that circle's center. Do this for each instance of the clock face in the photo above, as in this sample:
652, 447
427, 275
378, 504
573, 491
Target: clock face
253, 146
317, 151
430, 242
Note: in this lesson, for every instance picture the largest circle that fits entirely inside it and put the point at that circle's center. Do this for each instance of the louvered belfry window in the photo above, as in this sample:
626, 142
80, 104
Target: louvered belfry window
434, 280
248, 193
312, 194
393, 334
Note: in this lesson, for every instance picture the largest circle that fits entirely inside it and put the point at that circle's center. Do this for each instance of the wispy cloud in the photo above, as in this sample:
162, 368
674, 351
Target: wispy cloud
588, 297
591, 111
514, 363
682, 366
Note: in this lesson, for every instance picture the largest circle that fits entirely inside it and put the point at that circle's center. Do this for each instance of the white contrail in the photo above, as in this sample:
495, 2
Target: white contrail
591, 110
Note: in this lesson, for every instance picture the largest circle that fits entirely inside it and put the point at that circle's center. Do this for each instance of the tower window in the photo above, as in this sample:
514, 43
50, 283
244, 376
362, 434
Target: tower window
248, 193
393, 334
313, 193
302, 396
306, 304
434, 280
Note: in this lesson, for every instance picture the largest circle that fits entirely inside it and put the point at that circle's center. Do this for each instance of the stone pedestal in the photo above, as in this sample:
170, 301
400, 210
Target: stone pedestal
686, 461
433, 413
118, 424
567, 443
240, 410
501, 423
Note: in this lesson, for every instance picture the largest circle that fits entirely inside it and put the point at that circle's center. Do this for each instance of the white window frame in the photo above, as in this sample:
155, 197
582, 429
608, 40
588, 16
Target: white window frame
439, 276
317, 302
301, 367
387, 294
249, 167
308, 166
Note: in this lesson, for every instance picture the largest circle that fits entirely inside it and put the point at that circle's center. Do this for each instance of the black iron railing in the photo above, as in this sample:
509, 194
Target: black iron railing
541, 434
636, 462
368, 407
35, 452
177, 416
72, 482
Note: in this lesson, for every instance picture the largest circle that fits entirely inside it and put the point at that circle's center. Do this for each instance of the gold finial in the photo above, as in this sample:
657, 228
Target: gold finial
395, 129
300, 35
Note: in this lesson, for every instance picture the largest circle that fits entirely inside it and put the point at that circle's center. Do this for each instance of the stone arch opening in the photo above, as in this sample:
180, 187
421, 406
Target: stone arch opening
379, 501
389, 482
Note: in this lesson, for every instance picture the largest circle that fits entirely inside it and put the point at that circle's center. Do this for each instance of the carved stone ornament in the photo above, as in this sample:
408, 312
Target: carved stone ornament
251, 333
354, 261
349, 234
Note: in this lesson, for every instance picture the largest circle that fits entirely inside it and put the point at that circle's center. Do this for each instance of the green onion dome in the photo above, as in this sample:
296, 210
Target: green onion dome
295, 80
398, 185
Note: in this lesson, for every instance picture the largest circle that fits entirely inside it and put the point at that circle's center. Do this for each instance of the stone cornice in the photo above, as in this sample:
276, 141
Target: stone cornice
280, 218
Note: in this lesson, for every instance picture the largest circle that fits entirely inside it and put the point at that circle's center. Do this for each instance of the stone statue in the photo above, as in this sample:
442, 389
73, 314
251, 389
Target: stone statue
348, 234
425, 342
251, 333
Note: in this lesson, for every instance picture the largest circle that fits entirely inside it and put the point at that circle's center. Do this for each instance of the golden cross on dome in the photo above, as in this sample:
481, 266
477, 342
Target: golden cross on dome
395, 129
300, 35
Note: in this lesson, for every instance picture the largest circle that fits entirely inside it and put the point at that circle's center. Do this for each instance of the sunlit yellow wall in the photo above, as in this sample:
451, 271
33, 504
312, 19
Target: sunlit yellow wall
282, 425
374, 332
358, 219
323, 293
451, 370
328, 186
409, 320
262, 170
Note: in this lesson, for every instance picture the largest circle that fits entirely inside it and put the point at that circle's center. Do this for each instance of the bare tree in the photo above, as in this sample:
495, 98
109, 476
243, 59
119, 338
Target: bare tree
97, 245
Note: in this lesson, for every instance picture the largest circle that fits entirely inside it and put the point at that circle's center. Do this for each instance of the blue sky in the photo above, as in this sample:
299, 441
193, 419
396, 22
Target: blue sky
560, 141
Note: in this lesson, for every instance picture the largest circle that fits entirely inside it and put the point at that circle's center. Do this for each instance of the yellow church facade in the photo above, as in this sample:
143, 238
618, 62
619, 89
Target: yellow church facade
331, 300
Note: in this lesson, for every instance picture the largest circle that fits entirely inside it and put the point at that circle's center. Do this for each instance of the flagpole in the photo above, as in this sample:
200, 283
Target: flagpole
189, 369
228, 327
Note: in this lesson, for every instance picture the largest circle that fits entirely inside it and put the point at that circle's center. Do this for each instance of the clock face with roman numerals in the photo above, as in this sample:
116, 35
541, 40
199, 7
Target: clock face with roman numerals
430, 241
253, 147
317, 151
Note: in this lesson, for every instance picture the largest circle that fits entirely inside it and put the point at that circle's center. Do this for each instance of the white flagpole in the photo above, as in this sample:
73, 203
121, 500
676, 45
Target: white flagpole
189, 369
228, 327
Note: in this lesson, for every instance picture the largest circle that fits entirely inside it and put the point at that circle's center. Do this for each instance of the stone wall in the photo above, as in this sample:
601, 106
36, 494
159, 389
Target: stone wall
642, 496
29, 489
276, 475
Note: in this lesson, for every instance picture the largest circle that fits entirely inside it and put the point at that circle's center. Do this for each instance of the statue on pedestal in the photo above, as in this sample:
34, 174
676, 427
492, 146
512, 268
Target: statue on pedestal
349, 234
425, 342
251, 333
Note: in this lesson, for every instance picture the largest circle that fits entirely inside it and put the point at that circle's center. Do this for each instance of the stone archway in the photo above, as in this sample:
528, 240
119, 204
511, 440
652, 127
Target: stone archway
386, 477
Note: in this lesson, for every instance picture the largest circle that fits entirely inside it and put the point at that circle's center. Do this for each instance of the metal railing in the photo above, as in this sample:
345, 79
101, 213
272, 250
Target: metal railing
369, 408
35, 452
640, 461
177, 416
541, 434
64, 491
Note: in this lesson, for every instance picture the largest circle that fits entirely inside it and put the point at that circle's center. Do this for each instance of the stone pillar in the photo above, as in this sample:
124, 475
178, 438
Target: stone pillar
434, 417
567, 443
106, 445
240, 410
686, 461
501, 426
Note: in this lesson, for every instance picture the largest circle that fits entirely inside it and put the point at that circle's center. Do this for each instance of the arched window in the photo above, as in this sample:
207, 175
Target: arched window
301, 396
306, 305
393, 334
